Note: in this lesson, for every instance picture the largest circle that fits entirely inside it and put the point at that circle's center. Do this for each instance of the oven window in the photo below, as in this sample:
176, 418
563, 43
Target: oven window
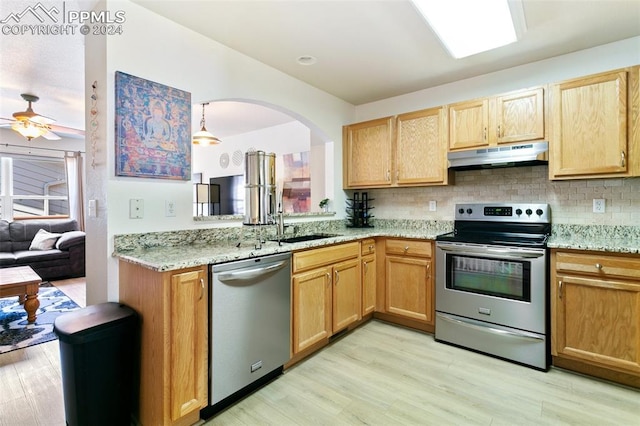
510, 279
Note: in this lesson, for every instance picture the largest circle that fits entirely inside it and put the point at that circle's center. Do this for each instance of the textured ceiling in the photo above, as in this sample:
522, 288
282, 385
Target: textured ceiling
366, 50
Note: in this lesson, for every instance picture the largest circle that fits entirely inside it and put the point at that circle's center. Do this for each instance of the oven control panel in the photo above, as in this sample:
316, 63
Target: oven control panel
502, 212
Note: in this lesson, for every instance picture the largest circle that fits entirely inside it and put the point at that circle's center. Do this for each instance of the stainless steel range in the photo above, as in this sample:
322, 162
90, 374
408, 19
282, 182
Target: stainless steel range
492, 282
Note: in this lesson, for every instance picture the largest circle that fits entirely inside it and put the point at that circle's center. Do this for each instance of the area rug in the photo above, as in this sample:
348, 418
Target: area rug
15, 330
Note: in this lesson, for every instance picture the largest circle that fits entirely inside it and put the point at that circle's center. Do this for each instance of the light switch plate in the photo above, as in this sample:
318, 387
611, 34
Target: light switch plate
136, 208
432, 206
170, 208
93, 208
598, 205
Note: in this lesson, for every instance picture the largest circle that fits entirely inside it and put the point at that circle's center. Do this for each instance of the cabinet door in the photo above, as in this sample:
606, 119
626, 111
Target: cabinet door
597, 320
347, 294
589, 127
421, 148
311, 308
368, 284
367, 153
468, 122
520, 116
409, 289
188, 337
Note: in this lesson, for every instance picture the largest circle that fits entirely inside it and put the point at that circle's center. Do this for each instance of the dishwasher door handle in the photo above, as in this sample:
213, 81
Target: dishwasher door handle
250, 273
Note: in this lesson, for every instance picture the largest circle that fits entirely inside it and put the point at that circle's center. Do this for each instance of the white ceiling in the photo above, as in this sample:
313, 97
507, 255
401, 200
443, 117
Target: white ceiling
366, 50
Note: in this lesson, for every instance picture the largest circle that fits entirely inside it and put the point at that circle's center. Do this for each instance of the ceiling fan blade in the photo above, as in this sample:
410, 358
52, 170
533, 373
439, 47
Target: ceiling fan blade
49, 135
41, 119
67, 132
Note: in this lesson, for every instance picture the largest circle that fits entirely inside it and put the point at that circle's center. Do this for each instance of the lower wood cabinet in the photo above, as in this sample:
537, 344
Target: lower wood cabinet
173, 307
595, 314
326, 288
409, 279
369, 275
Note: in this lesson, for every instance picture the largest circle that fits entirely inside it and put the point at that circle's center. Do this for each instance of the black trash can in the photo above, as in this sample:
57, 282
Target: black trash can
99, 358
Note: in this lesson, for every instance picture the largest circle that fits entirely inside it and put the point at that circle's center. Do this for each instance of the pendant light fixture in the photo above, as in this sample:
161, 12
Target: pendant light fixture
203, 137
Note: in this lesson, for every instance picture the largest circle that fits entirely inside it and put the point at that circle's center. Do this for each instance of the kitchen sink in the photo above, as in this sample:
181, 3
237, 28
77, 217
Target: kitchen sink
311, 237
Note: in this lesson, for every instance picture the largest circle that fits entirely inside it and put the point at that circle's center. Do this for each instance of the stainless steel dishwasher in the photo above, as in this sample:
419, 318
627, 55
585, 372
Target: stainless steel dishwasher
250, 326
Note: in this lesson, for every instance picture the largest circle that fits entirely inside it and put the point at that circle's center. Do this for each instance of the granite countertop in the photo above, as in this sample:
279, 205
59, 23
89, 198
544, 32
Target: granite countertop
183, 249
605, 238
167, 251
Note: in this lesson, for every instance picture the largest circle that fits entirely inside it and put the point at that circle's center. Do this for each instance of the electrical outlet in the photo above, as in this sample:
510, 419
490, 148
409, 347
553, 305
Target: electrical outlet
432, 206
136, 208
598, 205
169, 208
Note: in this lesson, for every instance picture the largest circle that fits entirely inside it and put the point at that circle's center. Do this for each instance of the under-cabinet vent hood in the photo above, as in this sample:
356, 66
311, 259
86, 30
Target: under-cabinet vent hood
529, 154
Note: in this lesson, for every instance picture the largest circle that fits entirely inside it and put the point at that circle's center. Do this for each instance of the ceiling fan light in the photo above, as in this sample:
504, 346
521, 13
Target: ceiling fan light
203, 137
28, 130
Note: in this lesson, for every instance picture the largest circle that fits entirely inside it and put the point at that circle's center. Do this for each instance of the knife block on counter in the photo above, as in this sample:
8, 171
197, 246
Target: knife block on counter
358, 211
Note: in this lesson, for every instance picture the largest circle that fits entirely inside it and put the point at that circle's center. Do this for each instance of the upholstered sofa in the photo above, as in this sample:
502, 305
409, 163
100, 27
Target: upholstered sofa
54, 248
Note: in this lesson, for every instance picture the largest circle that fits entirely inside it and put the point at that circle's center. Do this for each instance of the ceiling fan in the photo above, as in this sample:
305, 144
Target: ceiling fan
32, 125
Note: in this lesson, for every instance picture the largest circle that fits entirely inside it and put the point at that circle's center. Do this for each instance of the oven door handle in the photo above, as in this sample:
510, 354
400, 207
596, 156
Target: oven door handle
488, 329
505, 253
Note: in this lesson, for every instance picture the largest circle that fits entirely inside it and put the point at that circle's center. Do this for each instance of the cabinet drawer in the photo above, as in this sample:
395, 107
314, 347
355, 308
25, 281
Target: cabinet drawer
368, 246
417, 248
625, 267
314, 258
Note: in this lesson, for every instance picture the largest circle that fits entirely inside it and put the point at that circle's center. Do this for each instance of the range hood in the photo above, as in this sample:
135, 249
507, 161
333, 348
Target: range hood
528, 154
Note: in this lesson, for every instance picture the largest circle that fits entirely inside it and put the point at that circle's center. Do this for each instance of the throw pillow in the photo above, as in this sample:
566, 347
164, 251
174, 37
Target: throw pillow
43, 240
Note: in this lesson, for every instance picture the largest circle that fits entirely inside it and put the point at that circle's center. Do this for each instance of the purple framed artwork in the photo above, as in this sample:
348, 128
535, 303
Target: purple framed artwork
153, 129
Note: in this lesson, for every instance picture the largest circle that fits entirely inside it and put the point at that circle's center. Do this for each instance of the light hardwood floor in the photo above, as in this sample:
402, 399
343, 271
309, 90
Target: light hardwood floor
379, 374
382, 374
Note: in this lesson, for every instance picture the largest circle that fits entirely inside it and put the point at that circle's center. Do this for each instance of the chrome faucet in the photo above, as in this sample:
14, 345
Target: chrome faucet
280, 223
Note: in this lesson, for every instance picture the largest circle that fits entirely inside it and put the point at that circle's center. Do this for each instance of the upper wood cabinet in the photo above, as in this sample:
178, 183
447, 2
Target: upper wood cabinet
367, 153
595, 126
512, 117
469, 124
407, 150
420, 150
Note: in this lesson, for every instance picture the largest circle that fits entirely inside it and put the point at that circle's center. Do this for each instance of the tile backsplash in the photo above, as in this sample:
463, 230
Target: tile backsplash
571, 201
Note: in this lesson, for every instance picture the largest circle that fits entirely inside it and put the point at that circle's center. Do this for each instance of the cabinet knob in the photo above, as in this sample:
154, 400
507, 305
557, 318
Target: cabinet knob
622, 159
598, 266
337, 277
406, 249
370, 248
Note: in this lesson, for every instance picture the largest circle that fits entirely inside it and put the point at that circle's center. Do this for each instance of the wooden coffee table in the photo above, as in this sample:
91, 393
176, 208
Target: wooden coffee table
23, 282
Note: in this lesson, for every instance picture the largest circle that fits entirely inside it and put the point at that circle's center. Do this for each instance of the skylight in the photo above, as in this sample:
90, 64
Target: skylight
467, 27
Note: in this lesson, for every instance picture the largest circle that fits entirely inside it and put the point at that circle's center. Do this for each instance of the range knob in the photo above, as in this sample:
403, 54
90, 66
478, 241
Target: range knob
469, 211
539, 212
528, 211
518, 212
461, 211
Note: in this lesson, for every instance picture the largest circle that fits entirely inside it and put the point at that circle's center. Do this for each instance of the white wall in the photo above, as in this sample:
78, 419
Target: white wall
590, 61
282, 139
285, 138
159, 50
